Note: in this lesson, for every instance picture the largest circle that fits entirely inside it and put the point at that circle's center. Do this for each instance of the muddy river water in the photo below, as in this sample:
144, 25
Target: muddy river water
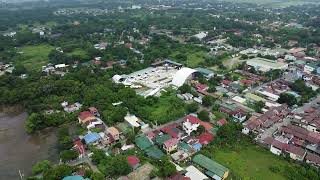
18, 150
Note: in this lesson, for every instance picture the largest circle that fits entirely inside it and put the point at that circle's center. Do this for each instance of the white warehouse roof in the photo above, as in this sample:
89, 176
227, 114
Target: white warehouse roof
194, 174
182, 75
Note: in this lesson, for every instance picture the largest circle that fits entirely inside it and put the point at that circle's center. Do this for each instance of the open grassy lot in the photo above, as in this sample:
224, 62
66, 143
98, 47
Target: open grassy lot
251, 162
192, 57
168, 108
33, 57
79, 52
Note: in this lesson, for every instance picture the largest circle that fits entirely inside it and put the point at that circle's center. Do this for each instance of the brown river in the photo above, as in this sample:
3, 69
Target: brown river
18, 150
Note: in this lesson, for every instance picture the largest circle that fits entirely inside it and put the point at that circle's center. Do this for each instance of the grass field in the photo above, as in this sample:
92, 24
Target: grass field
251, 162
168, 108
34, 57
79, 52
194, 58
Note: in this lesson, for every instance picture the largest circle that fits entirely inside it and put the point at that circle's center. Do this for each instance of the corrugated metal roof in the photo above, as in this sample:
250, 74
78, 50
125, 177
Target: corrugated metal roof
143, 142
154, 152
160, 139
210, 165
91, 137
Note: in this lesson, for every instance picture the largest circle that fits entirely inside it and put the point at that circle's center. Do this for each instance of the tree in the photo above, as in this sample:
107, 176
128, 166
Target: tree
212, 89
289, 99
117, 166
40, 167
68, 155
97, 176
229, 134
166, 169
185, 88
192, 107
207, 101
201, 130
258, 106
114, 115
19, 69
57, 172
65, 143
204, 115
98, 156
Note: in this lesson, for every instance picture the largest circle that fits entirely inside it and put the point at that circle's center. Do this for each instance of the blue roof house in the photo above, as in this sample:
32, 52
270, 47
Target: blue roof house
197, 147
91, 137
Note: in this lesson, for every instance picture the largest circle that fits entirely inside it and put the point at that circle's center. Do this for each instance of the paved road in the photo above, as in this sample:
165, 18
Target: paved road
84, 160
308, 105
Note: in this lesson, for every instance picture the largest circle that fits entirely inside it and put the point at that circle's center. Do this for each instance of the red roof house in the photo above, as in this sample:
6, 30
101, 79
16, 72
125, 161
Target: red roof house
222, 122
78, 146
133, 161
192, 119
226, 82
85, 116
171, 144
205, 138
313, 159
201, 87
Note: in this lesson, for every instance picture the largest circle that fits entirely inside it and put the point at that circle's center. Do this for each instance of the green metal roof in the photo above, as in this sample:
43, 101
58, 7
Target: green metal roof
254, 97
184, 146
154, 152
143, 142
160, 139
210, 165
205, 71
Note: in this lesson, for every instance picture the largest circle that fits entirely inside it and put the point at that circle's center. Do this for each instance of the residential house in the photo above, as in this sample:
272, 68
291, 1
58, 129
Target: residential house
205, 138
133, 161
296, 153
313, 159
91, 138
277, 146
114, 133
273, 115
86, 117
170, 145
172, 130
79, 147
222, 122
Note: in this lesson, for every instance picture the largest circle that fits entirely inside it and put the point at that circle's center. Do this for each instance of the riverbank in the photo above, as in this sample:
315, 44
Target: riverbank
16, 109
19, 150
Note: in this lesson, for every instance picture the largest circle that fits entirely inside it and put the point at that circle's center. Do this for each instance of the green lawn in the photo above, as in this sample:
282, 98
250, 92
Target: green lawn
251, 162
34, 57
194, 59
168, 108
79, 52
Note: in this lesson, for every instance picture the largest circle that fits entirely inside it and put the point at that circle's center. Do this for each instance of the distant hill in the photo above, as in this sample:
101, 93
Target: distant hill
276, 3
